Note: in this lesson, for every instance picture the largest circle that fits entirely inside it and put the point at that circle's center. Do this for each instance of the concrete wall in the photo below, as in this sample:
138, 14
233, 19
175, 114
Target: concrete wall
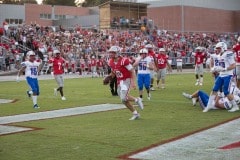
83, 21
11, 12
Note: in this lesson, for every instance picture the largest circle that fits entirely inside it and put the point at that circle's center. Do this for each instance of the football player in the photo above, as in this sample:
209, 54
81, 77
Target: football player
58, 71
126, 78
226, 67
236, 49
199, 59
144, 66
31, 68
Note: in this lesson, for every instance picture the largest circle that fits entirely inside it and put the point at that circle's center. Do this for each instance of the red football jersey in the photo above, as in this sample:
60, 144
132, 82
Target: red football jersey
199, 57
58, 65
236, 49
161, 60
120, 69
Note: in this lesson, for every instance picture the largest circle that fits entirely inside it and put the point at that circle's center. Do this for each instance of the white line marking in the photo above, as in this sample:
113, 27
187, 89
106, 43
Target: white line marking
12, 129
59, 113
51, 114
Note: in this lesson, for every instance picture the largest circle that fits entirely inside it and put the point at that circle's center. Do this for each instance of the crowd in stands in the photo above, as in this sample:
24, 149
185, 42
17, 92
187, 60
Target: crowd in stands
79, 46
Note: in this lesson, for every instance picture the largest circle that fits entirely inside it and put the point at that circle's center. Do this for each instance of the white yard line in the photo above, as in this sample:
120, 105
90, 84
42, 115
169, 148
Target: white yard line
59, 113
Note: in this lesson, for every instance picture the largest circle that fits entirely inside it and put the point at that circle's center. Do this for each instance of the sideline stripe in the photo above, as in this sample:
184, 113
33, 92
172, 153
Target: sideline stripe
60, 113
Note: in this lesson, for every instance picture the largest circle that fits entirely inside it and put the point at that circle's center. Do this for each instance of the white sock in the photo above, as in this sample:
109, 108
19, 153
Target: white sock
210, 100
136, 99
34, 99
135, 112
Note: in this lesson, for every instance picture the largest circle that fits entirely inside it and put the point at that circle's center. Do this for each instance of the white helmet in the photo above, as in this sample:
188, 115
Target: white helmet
55, 52
238, 39
161, 50
115, 49
148, 46
30, 53
221, 45
144, 50
198, 48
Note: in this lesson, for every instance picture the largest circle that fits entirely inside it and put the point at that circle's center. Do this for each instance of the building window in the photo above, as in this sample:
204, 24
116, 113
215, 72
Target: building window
57, 17
45, 16
14, 21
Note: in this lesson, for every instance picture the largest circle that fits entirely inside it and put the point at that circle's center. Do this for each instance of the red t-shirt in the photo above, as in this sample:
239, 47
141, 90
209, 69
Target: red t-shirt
58, 65
199, 57
161, 60
119, 68
236, 49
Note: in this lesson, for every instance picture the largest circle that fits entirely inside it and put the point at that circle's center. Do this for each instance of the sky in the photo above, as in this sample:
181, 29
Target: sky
40, 1
81, 1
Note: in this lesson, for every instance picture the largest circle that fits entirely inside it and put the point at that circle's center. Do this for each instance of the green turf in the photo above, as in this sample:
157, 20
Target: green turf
103, 135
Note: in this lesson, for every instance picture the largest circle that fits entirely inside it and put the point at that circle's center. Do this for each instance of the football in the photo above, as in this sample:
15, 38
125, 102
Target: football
107, 80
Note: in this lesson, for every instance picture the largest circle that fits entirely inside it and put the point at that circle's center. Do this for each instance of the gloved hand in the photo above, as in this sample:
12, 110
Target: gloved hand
52, 74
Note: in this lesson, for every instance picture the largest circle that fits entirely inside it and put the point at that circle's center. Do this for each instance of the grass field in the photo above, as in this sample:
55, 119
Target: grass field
103, 135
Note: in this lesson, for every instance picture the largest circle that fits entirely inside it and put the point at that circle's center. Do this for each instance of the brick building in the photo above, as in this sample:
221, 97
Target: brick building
177, 15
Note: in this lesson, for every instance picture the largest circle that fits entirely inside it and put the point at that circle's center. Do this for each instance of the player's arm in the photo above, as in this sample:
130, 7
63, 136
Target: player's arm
21, 71
137, 60
151, 66
40, 67
133, 74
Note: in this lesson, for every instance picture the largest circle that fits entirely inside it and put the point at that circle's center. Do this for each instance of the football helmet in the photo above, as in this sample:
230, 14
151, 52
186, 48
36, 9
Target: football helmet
144, 50
30, 53
221, 45
55, 52
115, 49
198, 48
161, 50
149, 46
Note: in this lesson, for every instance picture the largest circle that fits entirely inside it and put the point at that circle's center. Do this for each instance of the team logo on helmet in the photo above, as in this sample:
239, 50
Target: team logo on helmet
143, 51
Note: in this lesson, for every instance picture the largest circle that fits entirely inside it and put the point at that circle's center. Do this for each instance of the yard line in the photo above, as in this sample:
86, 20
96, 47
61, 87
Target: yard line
59, 113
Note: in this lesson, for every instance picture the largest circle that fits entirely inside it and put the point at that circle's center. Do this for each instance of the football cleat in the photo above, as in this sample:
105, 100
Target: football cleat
234, 109
197, 83
63, 98
152, 89
186, 95
29, 95
149, 96
134, 117
36, 106
208, 108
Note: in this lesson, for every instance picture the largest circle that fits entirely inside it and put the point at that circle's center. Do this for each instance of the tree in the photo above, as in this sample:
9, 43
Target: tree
60, 2
91, 3
18, 1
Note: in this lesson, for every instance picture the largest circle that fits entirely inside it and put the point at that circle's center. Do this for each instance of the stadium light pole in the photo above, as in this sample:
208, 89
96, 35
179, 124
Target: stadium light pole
182, 17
